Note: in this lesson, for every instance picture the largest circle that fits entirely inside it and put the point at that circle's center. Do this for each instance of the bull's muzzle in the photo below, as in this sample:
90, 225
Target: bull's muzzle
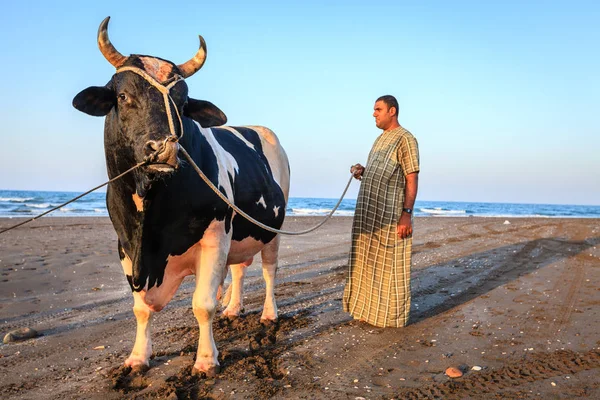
162, 155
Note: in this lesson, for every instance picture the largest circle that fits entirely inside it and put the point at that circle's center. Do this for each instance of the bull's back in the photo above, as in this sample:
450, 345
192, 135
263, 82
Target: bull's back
276, 156
260, 142
253, 171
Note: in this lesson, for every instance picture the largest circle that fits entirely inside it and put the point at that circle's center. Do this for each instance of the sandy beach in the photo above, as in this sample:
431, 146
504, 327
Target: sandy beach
513, 306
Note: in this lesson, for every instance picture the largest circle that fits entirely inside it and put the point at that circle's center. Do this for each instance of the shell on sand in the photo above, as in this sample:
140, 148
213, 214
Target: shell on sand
453, 372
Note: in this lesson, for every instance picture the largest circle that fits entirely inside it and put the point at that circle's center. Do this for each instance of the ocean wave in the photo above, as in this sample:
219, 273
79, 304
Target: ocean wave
343, 213
22, 210
42, 205
16, 199
442, 211
30, 203
318, 211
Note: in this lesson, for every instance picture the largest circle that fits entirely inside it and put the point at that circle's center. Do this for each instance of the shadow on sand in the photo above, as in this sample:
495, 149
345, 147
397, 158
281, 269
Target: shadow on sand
440, 287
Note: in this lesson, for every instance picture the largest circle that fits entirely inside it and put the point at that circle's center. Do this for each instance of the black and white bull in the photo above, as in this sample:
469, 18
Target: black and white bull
168, 221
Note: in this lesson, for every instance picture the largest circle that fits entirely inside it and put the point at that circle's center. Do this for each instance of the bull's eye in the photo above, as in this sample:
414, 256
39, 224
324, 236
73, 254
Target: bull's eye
122, 97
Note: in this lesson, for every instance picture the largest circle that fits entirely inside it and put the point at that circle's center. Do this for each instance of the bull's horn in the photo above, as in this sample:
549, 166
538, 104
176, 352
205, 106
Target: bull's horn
192, 66
106, 47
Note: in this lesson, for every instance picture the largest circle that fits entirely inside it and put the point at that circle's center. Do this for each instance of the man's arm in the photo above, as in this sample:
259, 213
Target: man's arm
410, 195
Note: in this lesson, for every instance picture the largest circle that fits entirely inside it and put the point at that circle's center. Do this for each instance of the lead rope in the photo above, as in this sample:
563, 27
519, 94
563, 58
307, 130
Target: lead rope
76, 198
249, 218
173, 138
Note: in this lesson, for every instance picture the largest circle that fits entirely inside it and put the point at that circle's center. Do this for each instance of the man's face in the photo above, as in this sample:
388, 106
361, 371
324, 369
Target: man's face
384, 115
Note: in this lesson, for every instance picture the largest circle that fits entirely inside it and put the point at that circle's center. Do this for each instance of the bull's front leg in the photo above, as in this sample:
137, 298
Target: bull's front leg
139, 359
142, 349
209, 275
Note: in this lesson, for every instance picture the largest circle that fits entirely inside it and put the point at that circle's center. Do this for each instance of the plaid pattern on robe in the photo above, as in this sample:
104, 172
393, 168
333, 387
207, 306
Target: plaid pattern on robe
378, 282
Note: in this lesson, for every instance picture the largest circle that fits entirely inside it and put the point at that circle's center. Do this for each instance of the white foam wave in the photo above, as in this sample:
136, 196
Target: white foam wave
344, 213
319, 211
441, 211
16, 199
42, 205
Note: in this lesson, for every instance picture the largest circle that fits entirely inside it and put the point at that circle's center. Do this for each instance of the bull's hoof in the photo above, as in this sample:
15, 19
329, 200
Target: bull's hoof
268, 322
139, 369
122, 370
211, 372
233, 312
137, 365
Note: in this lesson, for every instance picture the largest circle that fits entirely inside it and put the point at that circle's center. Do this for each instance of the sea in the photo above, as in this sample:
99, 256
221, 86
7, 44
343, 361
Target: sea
19, 203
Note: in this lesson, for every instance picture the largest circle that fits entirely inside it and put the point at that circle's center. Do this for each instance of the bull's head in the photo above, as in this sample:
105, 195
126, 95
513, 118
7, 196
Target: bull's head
144, 103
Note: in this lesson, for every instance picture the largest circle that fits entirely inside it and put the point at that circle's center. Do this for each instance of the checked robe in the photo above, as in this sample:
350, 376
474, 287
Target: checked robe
378, 282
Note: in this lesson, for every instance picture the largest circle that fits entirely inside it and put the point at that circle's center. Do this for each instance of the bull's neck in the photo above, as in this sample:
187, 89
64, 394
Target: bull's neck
189, 140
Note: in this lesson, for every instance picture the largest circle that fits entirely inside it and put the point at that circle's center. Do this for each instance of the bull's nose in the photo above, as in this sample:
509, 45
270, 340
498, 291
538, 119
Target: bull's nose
162, 152
151, 146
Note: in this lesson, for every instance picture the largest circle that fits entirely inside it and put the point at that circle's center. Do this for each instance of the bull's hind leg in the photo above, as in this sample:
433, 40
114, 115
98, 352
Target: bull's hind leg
234, 298
270, 254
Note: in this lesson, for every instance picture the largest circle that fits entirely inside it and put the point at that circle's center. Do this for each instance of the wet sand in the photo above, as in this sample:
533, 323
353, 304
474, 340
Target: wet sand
519, 300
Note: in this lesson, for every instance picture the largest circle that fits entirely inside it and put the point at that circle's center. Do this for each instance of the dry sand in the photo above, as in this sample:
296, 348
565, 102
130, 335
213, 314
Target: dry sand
519, 300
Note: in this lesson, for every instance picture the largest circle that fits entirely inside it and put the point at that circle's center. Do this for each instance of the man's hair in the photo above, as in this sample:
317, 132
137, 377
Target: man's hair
390, 101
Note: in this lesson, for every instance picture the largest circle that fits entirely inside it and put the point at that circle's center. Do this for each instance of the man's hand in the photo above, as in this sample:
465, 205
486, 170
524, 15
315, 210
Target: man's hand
404, 226
357, 171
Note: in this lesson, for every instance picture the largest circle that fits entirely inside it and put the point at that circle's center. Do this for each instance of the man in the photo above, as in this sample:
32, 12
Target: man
378, 283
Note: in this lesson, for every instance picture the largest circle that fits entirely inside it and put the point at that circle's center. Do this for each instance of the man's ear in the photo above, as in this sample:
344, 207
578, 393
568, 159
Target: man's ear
205, 113
95, 100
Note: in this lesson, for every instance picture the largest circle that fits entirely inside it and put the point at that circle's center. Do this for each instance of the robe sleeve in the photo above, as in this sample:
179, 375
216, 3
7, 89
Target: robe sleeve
408, 154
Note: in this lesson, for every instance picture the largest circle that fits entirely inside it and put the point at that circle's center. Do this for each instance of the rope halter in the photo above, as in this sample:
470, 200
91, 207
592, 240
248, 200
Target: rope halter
165, 90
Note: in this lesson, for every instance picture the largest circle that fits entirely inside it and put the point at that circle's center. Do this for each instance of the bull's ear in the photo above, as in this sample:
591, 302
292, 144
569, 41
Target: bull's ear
205, 113
95, 100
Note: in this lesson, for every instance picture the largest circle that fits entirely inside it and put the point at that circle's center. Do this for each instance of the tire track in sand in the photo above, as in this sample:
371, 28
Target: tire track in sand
532, 368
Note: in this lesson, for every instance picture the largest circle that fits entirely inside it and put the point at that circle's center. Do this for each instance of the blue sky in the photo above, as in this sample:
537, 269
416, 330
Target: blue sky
503, 98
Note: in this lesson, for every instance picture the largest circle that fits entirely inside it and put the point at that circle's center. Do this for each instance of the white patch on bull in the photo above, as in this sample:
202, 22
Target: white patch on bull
127, 265
226, 162
276, 211
241, 251
261, 201
240, 136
